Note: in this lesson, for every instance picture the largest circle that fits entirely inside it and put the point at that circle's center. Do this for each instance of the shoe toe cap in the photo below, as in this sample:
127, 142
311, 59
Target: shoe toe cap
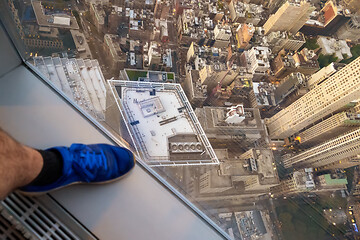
125, 159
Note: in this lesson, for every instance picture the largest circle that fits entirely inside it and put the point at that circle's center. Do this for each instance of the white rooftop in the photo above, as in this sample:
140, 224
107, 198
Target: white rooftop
162, 124
62, 20
80, 80
331, 46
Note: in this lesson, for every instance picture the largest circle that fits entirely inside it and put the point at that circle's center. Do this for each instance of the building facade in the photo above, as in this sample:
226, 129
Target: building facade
334, 93
339, 148
299, 182
291, 16
329, 128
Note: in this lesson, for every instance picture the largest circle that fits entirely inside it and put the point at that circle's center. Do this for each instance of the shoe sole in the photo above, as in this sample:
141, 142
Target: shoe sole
34, 194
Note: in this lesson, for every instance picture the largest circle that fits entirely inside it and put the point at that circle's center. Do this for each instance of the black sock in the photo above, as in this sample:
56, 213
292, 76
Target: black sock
52, 169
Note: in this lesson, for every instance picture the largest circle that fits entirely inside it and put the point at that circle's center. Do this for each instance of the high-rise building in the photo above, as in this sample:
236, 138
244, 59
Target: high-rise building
113, 52
291, 16
332, 94
222, 32
329, 128
162, 9
318, 77
98, 14
335, 150
299, 181
81, 80
261, 167
195, 91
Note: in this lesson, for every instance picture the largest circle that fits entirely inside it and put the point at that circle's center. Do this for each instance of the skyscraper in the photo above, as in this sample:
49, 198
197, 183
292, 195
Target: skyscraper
330, 127
343, 147
291, 16
332, 94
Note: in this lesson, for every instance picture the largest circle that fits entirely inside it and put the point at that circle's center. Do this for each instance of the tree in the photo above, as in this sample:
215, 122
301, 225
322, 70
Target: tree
311, 44
355, 52
325, 60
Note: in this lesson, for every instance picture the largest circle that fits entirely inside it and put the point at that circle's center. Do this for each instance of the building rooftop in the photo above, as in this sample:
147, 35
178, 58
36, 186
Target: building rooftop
325, 72
264, 93
61, 20
112, 41
251, 225
331, 46
304, 179
98, 12
219, 181
81, 80
81, 44
199, 90
212, 117
246, 12
288, 85
334, 180
162, 124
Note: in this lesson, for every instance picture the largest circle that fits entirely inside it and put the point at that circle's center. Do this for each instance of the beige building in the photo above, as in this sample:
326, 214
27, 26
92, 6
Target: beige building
244, 34
258, 60
195, 91
291, 16
98, 15
285, 40
300, 181
261, 166
318, 77
330, 152
219, 131
114, 52
343, 163
255, 168
217, 72
330, 127
334, 93
211, 182
303, 181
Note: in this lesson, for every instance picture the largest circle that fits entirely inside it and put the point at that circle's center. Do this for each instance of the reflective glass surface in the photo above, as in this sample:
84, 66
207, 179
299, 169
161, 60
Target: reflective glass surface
248, 108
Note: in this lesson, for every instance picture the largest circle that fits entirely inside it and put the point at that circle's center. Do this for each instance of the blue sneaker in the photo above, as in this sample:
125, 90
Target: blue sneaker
97, 163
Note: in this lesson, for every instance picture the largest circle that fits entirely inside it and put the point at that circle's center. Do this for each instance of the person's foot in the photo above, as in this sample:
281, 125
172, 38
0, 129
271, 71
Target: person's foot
97, 163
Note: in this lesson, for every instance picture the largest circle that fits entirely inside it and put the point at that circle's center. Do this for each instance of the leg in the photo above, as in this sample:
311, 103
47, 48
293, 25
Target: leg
38, 172
19, 164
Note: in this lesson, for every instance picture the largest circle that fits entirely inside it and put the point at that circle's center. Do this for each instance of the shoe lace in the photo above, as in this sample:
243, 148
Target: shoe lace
88, 163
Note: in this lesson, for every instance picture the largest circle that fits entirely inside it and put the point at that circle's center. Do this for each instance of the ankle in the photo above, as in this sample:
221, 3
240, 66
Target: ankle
32, 166
52, 168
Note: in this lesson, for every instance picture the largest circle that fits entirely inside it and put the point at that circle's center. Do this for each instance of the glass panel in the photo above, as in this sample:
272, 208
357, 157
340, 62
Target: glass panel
248, 108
